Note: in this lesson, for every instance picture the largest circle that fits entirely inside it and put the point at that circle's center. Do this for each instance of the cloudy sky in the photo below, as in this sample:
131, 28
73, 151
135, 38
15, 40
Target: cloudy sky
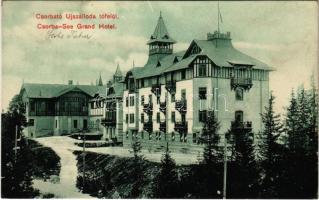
281, 34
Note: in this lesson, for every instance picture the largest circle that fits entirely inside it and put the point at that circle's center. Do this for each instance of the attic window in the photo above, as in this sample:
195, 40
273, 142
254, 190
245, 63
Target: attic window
175, 60
195, 50
158, 64
165, 36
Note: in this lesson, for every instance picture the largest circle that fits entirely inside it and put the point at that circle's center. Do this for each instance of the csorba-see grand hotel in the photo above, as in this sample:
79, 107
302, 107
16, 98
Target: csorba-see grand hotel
166, 100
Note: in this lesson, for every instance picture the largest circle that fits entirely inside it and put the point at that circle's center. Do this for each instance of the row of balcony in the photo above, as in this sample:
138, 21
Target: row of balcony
182, 126
170, 86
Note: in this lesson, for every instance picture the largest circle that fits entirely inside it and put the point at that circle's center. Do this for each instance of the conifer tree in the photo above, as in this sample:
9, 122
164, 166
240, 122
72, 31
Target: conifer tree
292, 123
166, 182
270, 149
210, 135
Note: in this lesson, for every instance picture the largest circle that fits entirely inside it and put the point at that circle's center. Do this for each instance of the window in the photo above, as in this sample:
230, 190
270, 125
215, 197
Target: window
132, 101
183, 74
173, 98
142, 83
158, 117
142, 117
126, 134
202, 70
75, 123
131, 118
56, 123
150, 98
126, 101
239, 94
142, 100
31, 122
239, 116
183, 92
32, 106
202, 93
202, 114
92, 105
126, 118
173, 136
173, 117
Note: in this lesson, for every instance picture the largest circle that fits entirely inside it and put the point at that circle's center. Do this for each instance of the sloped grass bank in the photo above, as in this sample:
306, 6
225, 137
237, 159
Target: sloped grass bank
45, 161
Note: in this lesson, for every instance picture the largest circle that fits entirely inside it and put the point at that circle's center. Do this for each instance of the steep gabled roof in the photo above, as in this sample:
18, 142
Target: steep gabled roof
223, 54
36, 90
116, 90
160, 33
158, 67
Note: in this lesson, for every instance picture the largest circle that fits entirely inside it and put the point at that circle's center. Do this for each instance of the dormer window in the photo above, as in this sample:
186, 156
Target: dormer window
158, 64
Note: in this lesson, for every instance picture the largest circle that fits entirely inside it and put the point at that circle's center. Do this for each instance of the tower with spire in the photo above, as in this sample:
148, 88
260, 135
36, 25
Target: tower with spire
100, 82
118, 76
160, 43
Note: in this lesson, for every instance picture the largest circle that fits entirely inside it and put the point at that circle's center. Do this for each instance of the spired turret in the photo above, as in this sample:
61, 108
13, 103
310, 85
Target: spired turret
118, 76
160, 43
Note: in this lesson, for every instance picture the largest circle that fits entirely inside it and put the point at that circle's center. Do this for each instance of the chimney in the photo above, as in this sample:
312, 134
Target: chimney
70, 82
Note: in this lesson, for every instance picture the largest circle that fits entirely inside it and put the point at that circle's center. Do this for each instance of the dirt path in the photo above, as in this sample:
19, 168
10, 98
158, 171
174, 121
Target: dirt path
66, 188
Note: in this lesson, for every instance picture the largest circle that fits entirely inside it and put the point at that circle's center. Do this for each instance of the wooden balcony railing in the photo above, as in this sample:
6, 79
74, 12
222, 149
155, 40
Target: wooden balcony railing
245, 83
241, 126
181, 127
148, 126
181, 106
148, 108
171, 86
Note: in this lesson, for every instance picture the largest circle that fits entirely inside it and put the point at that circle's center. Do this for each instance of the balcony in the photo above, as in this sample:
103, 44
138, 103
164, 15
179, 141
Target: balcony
162, 127
181, 127
111, 106
163, 107
171, 86
241, 126
148, 126
156, 89
160, 51
108, 122
245, 83
148, 108
181, 106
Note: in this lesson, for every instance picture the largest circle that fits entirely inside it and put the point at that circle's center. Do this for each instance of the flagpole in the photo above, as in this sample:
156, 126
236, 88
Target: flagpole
218, 15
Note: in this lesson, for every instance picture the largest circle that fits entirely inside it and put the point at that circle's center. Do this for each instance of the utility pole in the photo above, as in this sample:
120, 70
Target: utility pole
83, 153
225, 167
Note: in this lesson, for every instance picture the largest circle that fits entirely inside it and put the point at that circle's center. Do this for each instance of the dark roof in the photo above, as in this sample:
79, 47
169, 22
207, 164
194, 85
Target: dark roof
160, 33
156, 67
117, 90
36, 90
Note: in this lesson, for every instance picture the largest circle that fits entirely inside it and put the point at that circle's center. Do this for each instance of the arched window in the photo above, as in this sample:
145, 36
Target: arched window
239, 94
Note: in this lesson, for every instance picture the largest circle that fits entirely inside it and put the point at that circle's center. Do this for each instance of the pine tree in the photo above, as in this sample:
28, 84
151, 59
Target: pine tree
210, 137
243, 174
313, 117
138, 169
166, 182
292, 123
270, 149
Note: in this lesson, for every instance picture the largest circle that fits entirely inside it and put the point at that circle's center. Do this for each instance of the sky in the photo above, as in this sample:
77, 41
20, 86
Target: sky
282, 34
